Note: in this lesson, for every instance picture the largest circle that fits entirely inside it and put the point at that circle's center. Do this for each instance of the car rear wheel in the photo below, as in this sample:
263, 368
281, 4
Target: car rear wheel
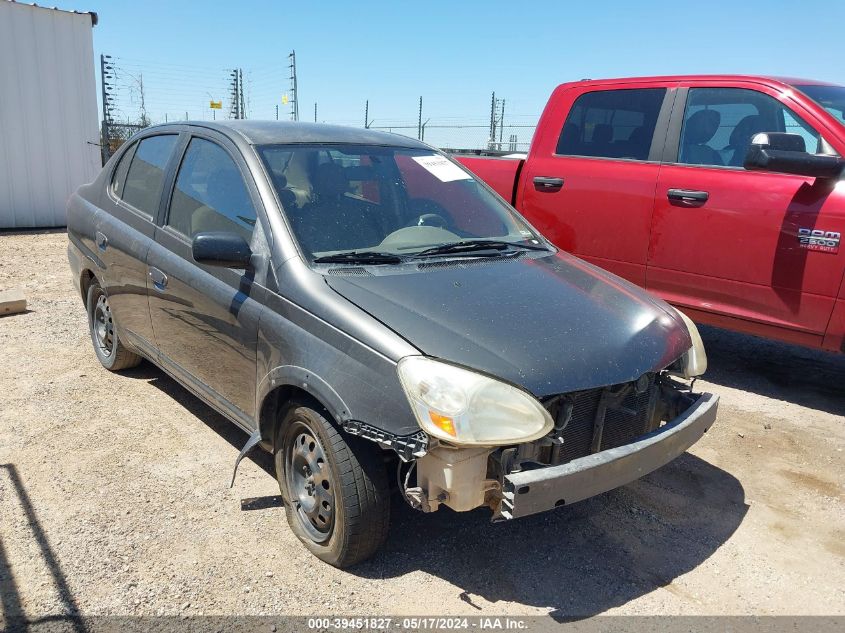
334, 487
110, 351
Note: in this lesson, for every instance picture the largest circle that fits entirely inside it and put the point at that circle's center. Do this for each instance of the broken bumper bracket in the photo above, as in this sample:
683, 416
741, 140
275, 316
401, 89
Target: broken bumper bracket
532, 491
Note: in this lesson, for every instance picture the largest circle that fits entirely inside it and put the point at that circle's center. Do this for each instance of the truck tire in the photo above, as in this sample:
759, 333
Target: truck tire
334, 487
110, 351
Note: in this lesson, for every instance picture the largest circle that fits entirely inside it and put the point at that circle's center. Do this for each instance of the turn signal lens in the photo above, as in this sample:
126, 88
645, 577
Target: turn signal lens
443, 422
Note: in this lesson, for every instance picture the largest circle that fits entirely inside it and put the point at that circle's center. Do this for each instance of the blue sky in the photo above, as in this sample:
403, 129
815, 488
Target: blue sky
453, 54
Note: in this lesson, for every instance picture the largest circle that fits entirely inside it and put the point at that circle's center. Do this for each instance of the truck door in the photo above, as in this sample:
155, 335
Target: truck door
727, 243
589, 185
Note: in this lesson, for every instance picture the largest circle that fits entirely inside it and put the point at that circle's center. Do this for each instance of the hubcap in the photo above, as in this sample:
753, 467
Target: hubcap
103, 326
309, 482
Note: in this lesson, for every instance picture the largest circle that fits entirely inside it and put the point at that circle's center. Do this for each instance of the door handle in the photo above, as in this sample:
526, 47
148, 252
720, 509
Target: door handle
546, 183
688, 196
102, 241
158, 278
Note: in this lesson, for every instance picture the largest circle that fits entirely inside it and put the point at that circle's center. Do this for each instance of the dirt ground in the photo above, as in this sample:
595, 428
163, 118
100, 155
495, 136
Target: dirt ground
114, 499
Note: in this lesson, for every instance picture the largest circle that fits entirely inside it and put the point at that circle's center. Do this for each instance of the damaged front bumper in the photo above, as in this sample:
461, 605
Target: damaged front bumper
531, 491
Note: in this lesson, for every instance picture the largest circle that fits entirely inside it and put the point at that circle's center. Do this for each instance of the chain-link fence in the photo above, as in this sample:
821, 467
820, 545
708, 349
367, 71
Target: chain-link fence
508, 138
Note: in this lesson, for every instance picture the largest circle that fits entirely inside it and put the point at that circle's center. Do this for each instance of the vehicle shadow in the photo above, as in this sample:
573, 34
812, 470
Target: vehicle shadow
215, 421
579, 560
803, 376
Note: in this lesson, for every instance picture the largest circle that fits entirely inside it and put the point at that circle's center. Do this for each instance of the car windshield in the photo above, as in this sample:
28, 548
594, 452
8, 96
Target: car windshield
384, 203
831, 98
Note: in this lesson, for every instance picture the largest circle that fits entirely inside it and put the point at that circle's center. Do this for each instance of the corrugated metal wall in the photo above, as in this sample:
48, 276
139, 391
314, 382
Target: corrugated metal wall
48, 113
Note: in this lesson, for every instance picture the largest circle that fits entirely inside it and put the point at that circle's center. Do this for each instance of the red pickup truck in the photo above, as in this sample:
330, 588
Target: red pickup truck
721, 194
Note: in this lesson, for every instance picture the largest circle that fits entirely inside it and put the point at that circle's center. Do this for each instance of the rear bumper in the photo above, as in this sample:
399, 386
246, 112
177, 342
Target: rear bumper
533, 491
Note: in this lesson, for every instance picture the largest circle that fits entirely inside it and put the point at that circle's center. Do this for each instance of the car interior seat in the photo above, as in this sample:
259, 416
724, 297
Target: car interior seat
741, 137
332, 220
698, 130
229, 208
602, 137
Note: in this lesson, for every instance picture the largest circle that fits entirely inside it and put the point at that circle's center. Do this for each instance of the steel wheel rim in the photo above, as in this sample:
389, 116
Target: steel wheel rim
103, 326
309, 482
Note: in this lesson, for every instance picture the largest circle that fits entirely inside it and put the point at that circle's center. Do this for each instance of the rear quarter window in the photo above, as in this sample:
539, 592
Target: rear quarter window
118, 179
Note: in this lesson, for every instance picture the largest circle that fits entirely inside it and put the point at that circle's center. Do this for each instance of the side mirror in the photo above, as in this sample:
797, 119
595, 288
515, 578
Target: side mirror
229, 250
786, 153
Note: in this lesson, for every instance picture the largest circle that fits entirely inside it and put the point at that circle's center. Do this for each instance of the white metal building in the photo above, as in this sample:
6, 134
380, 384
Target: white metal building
49, 131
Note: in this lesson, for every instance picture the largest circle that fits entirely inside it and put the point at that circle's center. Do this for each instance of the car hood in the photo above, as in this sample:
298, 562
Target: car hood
550, 324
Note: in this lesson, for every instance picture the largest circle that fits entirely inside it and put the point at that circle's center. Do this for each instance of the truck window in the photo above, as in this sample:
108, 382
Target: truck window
831, 98
612, 124
719, 124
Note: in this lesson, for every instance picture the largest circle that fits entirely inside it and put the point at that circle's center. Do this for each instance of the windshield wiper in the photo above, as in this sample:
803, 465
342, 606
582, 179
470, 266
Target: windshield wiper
359, 257
473, 246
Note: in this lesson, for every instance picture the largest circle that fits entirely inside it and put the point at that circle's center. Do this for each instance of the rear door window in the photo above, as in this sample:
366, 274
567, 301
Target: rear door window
146, 173
612, 124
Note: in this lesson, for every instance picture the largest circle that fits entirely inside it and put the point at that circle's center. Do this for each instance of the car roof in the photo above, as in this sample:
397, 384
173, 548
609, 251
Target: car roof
257, 132
792, 81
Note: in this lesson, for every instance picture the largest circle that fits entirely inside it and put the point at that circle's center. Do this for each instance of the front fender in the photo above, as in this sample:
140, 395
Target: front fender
305, 380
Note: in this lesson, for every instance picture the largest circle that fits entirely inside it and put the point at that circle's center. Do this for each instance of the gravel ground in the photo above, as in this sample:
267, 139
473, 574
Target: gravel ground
114, 499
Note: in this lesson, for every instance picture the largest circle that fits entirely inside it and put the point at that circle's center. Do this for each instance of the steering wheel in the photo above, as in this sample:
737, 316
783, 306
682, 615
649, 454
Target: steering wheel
430, 219
428, 213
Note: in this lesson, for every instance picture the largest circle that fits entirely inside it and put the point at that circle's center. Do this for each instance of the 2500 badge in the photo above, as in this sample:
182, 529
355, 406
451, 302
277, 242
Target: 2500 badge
818, 240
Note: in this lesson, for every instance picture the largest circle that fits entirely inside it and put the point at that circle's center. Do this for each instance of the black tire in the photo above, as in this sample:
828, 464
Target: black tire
353, 476
110, 351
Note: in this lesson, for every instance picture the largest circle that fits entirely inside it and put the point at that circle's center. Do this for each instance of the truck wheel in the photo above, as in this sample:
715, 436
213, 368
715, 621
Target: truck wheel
334, 488
111, 353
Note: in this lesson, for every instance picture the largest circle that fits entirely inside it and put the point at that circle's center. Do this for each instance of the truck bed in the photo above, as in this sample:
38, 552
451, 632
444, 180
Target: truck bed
499, 171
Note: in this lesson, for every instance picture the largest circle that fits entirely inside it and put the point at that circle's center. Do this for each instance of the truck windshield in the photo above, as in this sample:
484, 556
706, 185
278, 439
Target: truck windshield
385, 202
831, 98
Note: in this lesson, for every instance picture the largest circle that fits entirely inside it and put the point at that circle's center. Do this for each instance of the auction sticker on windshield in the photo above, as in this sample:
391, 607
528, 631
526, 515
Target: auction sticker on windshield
441, 168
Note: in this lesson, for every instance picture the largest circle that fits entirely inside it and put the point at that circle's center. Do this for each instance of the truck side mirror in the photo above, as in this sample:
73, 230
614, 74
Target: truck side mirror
786, 153
228, 250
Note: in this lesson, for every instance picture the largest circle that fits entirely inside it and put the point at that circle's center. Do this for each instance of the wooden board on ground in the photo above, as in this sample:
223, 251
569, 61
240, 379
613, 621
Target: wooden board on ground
12, 301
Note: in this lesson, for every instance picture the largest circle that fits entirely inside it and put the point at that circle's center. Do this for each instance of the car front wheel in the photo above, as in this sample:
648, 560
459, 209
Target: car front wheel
334, 487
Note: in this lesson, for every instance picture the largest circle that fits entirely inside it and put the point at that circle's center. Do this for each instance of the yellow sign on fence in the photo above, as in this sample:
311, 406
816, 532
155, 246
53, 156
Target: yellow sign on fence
216, 105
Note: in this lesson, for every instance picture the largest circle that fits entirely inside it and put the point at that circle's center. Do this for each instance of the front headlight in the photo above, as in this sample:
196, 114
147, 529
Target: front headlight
694, 362
463, 407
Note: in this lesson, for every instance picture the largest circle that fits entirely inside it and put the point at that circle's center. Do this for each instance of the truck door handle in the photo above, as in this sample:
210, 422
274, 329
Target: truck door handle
158, 278
688, 196
102, 241
545, 183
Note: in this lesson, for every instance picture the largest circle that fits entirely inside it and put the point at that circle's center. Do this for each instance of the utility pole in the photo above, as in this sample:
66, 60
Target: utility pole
367, 113
294, 106
235, 95
277, 111
315, 112
144, 120
419, 121
105, 150
501, 123
492, 121
495, 121
241, 86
